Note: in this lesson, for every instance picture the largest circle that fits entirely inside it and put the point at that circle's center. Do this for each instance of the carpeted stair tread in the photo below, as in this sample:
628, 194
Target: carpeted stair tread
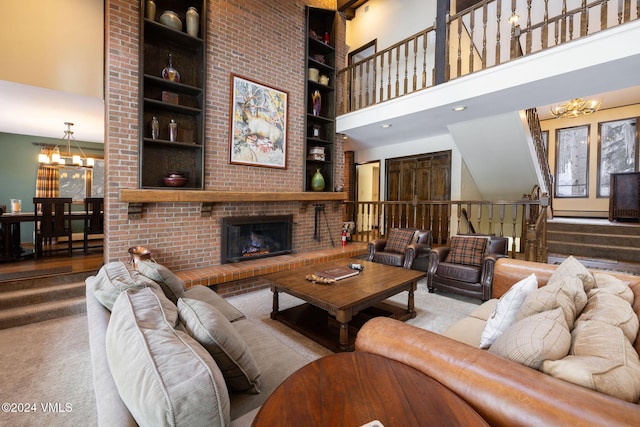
21, 297
45, 281
33, 313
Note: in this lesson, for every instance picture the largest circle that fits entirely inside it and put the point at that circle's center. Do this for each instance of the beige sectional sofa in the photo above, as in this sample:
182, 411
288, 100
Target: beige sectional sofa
165, 355
508, 393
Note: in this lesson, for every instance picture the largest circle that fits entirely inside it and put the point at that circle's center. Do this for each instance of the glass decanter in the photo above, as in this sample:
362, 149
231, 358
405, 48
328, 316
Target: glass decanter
170, 73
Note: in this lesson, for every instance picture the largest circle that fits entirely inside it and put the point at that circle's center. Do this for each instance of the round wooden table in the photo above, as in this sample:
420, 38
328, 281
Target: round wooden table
352, 389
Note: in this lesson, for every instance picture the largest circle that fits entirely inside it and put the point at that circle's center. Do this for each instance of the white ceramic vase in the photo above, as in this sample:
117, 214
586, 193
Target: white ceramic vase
193, 22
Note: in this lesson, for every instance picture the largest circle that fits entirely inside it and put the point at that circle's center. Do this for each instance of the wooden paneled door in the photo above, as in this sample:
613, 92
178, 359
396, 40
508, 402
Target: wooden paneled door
426, 177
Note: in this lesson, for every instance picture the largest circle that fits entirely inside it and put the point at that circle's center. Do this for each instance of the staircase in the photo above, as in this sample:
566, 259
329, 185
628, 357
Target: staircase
594, 238
24, 301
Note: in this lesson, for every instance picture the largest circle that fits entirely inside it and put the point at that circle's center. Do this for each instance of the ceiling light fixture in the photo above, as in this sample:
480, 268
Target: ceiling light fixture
575, 108
459, 108
75, 159
386, 125
514, 18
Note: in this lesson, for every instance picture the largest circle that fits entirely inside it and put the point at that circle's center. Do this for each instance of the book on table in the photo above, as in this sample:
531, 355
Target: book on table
337, 273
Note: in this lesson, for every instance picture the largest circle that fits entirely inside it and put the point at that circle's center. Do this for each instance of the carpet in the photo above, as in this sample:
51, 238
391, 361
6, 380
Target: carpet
47, 365
47, 375
34, 273
434, 311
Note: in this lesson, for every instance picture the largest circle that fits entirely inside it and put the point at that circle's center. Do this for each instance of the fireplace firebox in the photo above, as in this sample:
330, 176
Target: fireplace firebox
251, 237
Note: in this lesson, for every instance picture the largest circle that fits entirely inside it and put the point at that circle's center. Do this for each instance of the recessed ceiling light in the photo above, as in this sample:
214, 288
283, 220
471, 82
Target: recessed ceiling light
386, 125
459, 108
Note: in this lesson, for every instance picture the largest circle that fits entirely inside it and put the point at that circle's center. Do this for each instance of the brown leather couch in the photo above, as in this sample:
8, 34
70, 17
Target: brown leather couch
464, 279
503, 392
415, 256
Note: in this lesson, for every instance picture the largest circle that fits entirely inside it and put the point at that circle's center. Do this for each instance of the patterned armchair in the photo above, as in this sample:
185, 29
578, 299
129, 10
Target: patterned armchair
403, 247
466, 266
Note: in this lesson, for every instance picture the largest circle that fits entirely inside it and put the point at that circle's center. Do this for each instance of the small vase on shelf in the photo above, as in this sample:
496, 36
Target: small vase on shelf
170, 73
317, 181
316, 100
173, 131
193, 22
151, 10
155, 128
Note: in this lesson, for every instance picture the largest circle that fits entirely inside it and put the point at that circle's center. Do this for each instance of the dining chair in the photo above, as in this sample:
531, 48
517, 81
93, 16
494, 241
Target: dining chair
94, 219
52, 220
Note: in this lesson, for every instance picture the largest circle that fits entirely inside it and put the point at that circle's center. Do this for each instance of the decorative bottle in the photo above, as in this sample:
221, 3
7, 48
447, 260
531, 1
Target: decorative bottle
155, 128
193, 22
173, 131
151, 10
170, 73
316, 101
317, 181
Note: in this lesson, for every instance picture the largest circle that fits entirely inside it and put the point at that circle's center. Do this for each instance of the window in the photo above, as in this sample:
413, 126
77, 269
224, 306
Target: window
79, 182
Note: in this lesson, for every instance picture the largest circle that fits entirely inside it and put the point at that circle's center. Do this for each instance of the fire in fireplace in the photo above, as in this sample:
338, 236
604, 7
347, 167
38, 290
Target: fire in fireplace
250, 237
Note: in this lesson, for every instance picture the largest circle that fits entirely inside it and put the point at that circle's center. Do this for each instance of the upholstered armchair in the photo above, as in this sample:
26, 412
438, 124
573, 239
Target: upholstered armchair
403, 247
466, 265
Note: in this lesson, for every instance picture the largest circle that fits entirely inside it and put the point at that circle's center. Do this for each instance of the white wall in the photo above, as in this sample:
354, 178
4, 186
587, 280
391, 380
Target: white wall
69, 59
389, 21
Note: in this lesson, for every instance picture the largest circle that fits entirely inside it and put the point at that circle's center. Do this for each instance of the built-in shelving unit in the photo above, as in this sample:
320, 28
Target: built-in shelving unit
320, 125
182, 101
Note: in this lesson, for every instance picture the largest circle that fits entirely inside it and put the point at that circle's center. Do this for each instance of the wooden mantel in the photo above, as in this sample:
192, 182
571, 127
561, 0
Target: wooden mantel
136, 197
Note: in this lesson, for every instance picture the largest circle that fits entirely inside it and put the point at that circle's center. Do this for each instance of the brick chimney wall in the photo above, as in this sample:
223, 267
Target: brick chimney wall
263, 41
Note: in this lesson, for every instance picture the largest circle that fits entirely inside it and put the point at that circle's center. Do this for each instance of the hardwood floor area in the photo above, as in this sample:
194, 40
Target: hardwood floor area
77, 263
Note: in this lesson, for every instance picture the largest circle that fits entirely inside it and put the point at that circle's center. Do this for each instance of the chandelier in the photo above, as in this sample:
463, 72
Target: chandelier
73, 159
575, 108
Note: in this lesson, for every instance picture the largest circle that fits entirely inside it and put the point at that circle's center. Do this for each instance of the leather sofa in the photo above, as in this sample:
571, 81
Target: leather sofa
415, 256
468, 280
503, 392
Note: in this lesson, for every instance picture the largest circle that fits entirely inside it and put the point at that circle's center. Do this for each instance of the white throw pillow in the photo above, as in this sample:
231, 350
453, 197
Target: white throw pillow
504, 313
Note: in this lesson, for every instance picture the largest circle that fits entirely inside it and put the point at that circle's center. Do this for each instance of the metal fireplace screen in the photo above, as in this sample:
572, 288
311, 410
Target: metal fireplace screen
252, 237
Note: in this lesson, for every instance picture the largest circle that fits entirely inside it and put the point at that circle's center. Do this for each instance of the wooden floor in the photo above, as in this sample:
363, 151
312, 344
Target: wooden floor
79, 262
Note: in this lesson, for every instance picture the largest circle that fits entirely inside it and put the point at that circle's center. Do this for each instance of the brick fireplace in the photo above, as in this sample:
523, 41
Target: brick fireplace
245, 238
183, 228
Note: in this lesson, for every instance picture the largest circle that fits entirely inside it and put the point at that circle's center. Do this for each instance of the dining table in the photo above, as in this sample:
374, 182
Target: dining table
12, 249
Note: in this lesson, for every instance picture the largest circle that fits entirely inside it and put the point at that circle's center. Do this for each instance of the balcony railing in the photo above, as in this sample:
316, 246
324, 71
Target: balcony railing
522, 221
480, 37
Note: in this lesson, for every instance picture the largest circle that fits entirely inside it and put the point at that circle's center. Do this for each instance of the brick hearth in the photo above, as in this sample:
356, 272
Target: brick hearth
243, 277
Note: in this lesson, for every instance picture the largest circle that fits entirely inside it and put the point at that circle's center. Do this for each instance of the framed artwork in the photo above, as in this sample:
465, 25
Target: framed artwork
617, 151
572, 162
258, 134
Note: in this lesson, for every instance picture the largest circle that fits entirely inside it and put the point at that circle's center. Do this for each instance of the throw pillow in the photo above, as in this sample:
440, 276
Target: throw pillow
601, 359
399, 239
208, 295
163, 376
613, 310
171, 284
612, 285
114, 278
504, 313
562, 293
214, 332
530, 341
571, 267
467, 250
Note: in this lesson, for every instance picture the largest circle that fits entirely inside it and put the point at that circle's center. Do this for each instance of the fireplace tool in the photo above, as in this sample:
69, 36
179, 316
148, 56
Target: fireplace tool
316, 224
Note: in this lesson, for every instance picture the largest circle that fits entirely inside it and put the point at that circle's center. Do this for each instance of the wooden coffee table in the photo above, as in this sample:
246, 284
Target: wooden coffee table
333, 313
352, 389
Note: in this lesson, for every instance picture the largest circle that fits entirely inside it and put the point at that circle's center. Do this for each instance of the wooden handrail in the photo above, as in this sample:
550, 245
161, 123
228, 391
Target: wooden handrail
522, 221
477, 38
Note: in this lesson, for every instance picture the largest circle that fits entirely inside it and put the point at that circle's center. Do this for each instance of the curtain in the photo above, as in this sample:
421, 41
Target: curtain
47, 180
